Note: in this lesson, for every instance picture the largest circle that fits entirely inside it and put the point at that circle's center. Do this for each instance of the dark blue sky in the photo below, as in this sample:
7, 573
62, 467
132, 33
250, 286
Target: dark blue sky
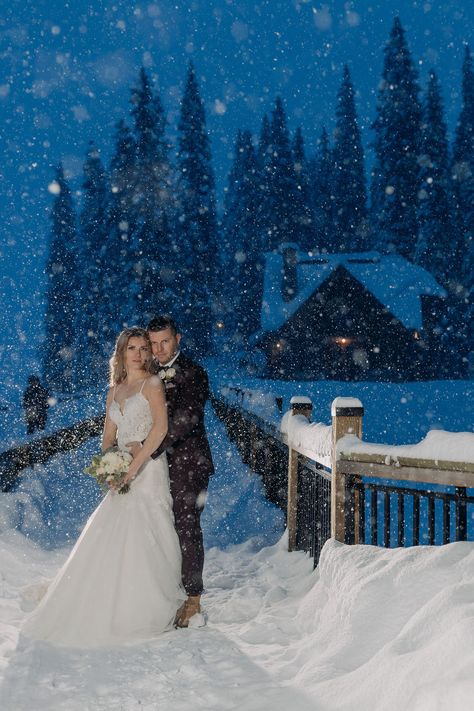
66, 69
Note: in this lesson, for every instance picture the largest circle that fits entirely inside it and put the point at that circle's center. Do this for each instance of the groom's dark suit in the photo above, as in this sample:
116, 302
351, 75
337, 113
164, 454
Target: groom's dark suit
189, 460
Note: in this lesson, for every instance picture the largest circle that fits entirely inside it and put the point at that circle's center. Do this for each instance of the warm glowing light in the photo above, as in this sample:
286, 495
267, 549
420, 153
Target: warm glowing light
343, 341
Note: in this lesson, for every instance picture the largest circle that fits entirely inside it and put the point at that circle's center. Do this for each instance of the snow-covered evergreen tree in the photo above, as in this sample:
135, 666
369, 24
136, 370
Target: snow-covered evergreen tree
306, 239
349, 187
397, 143
119, 274
463, 173
153, 200
287, 216
243, 239
231, 238
196, 233
63, 285
320, 172
463, 195
264, 150
436, 238
90, 362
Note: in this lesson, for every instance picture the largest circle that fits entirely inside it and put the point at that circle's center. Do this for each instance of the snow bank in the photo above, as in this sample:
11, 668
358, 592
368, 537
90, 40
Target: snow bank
389, 629
373, 629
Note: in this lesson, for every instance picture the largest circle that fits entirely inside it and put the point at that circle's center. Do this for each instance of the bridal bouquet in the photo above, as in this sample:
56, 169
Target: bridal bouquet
110, 468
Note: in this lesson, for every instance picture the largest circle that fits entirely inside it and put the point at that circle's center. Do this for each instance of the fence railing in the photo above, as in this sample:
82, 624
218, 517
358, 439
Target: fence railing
408, 504
38, 451
327, 490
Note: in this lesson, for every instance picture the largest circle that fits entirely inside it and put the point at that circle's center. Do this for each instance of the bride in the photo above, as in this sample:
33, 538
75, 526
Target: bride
121, 582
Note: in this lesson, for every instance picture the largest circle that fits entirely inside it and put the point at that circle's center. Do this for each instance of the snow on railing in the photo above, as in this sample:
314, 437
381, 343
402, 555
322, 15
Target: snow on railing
438, 445
265, 405
328, 463
311, 439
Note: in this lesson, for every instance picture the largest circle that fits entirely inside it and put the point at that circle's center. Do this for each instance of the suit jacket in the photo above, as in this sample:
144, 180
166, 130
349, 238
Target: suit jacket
186, 445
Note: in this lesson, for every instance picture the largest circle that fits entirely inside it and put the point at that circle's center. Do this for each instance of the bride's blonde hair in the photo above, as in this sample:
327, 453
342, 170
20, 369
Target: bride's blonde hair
118, 372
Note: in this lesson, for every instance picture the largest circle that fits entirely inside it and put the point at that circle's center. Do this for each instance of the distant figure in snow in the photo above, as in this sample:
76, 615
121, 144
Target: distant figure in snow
35, 402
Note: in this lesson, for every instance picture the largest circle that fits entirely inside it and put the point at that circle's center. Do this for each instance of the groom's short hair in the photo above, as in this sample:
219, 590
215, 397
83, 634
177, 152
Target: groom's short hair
160, 323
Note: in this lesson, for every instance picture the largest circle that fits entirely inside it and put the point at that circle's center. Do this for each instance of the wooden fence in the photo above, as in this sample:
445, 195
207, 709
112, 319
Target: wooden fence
38, 451
353, 497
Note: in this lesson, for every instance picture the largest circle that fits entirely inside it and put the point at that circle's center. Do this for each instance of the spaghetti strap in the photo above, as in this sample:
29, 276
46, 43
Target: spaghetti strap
144, 381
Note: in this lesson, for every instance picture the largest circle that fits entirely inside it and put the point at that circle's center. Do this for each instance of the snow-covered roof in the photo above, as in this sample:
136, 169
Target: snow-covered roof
394, 281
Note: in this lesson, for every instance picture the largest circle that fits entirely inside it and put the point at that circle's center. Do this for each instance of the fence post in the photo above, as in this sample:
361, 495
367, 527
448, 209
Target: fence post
346, 413
299, 406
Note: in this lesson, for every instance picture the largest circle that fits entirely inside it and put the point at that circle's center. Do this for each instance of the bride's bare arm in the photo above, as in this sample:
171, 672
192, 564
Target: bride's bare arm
109, 434
155, 394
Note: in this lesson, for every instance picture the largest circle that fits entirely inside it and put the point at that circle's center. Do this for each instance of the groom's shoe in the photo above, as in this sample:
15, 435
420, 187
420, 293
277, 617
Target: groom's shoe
179, 613
191, 607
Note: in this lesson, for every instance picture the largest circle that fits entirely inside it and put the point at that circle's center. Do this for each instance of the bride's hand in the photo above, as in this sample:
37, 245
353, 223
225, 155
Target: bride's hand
131, 474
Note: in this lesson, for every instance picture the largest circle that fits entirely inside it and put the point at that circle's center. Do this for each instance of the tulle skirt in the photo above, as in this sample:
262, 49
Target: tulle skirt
121, 582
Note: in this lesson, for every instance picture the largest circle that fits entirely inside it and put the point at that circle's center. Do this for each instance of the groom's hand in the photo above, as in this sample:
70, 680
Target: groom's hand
134, 448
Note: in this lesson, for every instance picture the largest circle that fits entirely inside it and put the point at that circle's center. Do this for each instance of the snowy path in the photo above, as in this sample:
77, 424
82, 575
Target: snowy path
204, 668
371, 630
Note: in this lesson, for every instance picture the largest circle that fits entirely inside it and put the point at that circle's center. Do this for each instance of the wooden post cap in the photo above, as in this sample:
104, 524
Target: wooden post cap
300, 403
347, 407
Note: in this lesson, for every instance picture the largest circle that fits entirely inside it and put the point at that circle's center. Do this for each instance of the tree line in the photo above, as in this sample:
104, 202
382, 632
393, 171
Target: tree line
148, 238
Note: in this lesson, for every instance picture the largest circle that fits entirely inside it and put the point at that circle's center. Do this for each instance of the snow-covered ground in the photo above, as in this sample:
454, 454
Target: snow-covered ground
371, 629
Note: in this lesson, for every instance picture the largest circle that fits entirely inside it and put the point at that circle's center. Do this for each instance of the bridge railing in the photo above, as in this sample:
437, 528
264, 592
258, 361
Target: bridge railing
331, 484
411, 502
38, 451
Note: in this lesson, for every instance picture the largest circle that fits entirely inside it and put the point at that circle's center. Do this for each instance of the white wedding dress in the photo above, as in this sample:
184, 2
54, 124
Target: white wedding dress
121, 582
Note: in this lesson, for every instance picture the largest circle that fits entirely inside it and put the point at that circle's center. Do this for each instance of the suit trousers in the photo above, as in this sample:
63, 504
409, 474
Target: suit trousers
189, 499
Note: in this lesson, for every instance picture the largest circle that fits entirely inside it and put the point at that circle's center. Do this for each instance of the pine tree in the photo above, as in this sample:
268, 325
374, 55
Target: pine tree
243, 238
63, 285
231, 239
434, 214
463, 174
462, 283
153, 199
306, 239
90, 359
349, 188
397, 142
288, 217
197, 221
264, 150
321, 170
119, 256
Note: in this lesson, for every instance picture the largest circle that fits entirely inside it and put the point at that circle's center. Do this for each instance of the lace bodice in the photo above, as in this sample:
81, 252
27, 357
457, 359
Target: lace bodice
134, 422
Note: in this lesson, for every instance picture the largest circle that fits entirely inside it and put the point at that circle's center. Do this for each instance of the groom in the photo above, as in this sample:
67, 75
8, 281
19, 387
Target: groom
189, 456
